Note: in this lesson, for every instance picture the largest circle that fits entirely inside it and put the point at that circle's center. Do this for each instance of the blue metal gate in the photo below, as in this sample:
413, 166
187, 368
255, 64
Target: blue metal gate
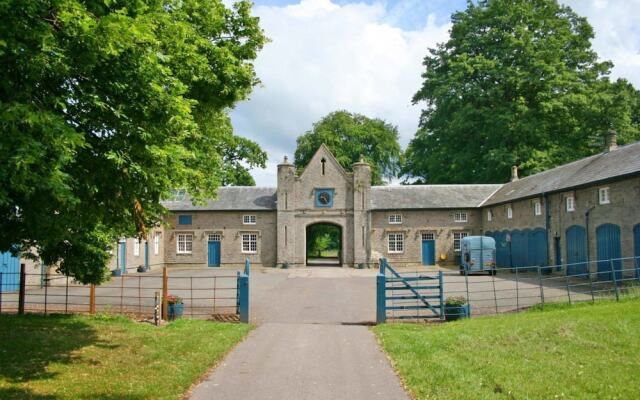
214, 251
9, 272
408, 296
429, 252
577, 251
609, 251
636, 246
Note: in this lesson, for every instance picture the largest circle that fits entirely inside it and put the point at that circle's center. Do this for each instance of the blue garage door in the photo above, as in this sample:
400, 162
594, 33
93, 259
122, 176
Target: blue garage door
518, 248
429, 252
503, 249
213, 259
577, 251
538, 251
636, 245
10, 270
608, 243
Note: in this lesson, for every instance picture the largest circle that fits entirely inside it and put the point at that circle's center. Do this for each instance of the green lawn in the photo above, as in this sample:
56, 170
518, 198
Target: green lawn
568, 352
81, 357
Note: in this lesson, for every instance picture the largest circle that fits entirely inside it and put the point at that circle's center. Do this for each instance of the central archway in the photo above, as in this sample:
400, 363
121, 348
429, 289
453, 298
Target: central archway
324, 244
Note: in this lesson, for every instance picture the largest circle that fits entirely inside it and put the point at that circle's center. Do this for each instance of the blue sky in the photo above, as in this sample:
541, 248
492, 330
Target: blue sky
365, 56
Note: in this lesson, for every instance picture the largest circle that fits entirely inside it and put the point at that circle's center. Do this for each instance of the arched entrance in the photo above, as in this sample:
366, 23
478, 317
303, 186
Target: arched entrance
324, 244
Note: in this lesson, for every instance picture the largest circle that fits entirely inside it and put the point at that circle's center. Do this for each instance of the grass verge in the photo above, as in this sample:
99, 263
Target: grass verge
586, 351
104, 357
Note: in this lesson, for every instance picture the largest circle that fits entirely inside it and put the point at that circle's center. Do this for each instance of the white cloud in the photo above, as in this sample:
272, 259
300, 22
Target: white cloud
324, 57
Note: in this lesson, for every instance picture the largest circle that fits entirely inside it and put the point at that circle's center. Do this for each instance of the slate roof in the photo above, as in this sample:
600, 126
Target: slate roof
430, 196
231, 198
625, 160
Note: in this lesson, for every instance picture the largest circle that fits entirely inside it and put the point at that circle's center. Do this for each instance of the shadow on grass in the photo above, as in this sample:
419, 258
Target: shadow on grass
29, 343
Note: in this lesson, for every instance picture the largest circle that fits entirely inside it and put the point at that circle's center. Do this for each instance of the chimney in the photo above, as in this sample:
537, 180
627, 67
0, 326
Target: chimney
514, 173
610, 141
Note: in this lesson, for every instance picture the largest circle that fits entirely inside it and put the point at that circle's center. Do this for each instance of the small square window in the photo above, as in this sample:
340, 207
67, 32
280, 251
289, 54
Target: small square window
603, 195
396, 243
537, 208
185, 243
184, 219
489, 215
571, 204
457, 238
460, 217
249, 242
395, 218
249, 219
509, 212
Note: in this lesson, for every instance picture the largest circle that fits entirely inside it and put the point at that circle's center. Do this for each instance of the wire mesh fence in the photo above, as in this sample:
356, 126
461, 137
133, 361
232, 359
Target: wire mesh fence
205, 294
516, 289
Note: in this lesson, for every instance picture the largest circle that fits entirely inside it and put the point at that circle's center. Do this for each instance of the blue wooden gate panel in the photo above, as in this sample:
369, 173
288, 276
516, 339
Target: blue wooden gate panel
538, 251
636, 246
10, 269
608, 244
214, 253
122, 256
577, 251
503, 250
429, 252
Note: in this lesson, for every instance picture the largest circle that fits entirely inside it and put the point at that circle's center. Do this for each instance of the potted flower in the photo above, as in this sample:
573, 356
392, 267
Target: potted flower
456, 307
176, 307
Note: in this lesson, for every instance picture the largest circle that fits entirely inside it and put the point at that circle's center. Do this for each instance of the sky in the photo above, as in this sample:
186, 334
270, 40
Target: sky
366, 56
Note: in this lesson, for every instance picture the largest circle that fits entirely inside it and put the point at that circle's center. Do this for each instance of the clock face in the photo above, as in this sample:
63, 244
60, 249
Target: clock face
324, 198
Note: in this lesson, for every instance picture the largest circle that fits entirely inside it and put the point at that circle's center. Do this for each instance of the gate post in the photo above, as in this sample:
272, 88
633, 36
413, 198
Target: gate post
22, 289
165, 294
243, 293
381, 301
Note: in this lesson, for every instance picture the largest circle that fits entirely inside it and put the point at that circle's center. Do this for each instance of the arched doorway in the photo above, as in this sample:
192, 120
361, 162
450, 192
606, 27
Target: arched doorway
324, 244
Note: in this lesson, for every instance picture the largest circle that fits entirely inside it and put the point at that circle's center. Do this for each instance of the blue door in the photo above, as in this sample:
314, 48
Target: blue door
609, 249
503, 249
10, 270
538, 251
214, 251
577, 251
518, 248
636, 246
122, 257
429, 252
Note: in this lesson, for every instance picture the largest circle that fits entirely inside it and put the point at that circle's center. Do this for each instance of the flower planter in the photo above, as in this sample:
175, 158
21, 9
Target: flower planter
175, 311
118, 272
452, 313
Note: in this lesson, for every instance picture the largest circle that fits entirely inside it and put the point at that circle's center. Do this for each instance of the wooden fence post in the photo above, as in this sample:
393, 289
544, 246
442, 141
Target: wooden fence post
92, 299
165, 294
22, 289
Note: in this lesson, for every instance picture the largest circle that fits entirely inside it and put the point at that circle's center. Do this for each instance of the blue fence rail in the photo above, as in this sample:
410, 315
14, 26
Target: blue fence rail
408, 295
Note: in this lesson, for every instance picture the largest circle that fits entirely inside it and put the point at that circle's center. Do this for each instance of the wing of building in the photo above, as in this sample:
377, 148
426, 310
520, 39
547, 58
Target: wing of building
586, 210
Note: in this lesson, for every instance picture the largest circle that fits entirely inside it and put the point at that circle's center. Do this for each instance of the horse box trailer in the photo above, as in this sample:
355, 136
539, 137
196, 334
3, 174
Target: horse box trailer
478, 254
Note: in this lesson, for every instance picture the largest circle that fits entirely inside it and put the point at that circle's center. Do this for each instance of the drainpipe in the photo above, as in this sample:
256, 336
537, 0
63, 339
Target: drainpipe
586, 223
547, 223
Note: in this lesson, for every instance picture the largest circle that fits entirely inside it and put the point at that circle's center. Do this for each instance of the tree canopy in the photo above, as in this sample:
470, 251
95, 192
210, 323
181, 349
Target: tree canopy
517, 83
351, 136
105, 106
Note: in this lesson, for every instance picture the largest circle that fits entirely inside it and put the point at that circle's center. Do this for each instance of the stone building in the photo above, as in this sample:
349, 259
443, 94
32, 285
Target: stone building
585, 210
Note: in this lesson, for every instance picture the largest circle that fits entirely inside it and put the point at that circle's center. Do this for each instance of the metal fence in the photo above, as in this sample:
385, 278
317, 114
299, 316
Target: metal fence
205, 293
516, 289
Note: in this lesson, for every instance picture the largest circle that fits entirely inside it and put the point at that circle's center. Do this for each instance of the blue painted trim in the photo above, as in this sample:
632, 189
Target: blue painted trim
381, 300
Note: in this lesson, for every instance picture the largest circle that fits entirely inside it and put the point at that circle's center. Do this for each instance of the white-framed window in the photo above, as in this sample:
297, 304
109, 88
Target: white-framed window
457, 237
249, 242
489, 215
571, 203
537, 208
396, 242
156, 243
184, 243
603, 195
509, 212
395, 218
136, 247
249, 219
428, 236
460, 217
214, 237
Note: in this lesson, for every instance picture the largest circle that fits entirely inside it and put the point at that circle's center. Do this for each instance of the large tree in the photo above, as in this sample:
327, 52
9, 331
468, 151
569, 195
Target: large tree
517, 83
105, 106
351, 136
